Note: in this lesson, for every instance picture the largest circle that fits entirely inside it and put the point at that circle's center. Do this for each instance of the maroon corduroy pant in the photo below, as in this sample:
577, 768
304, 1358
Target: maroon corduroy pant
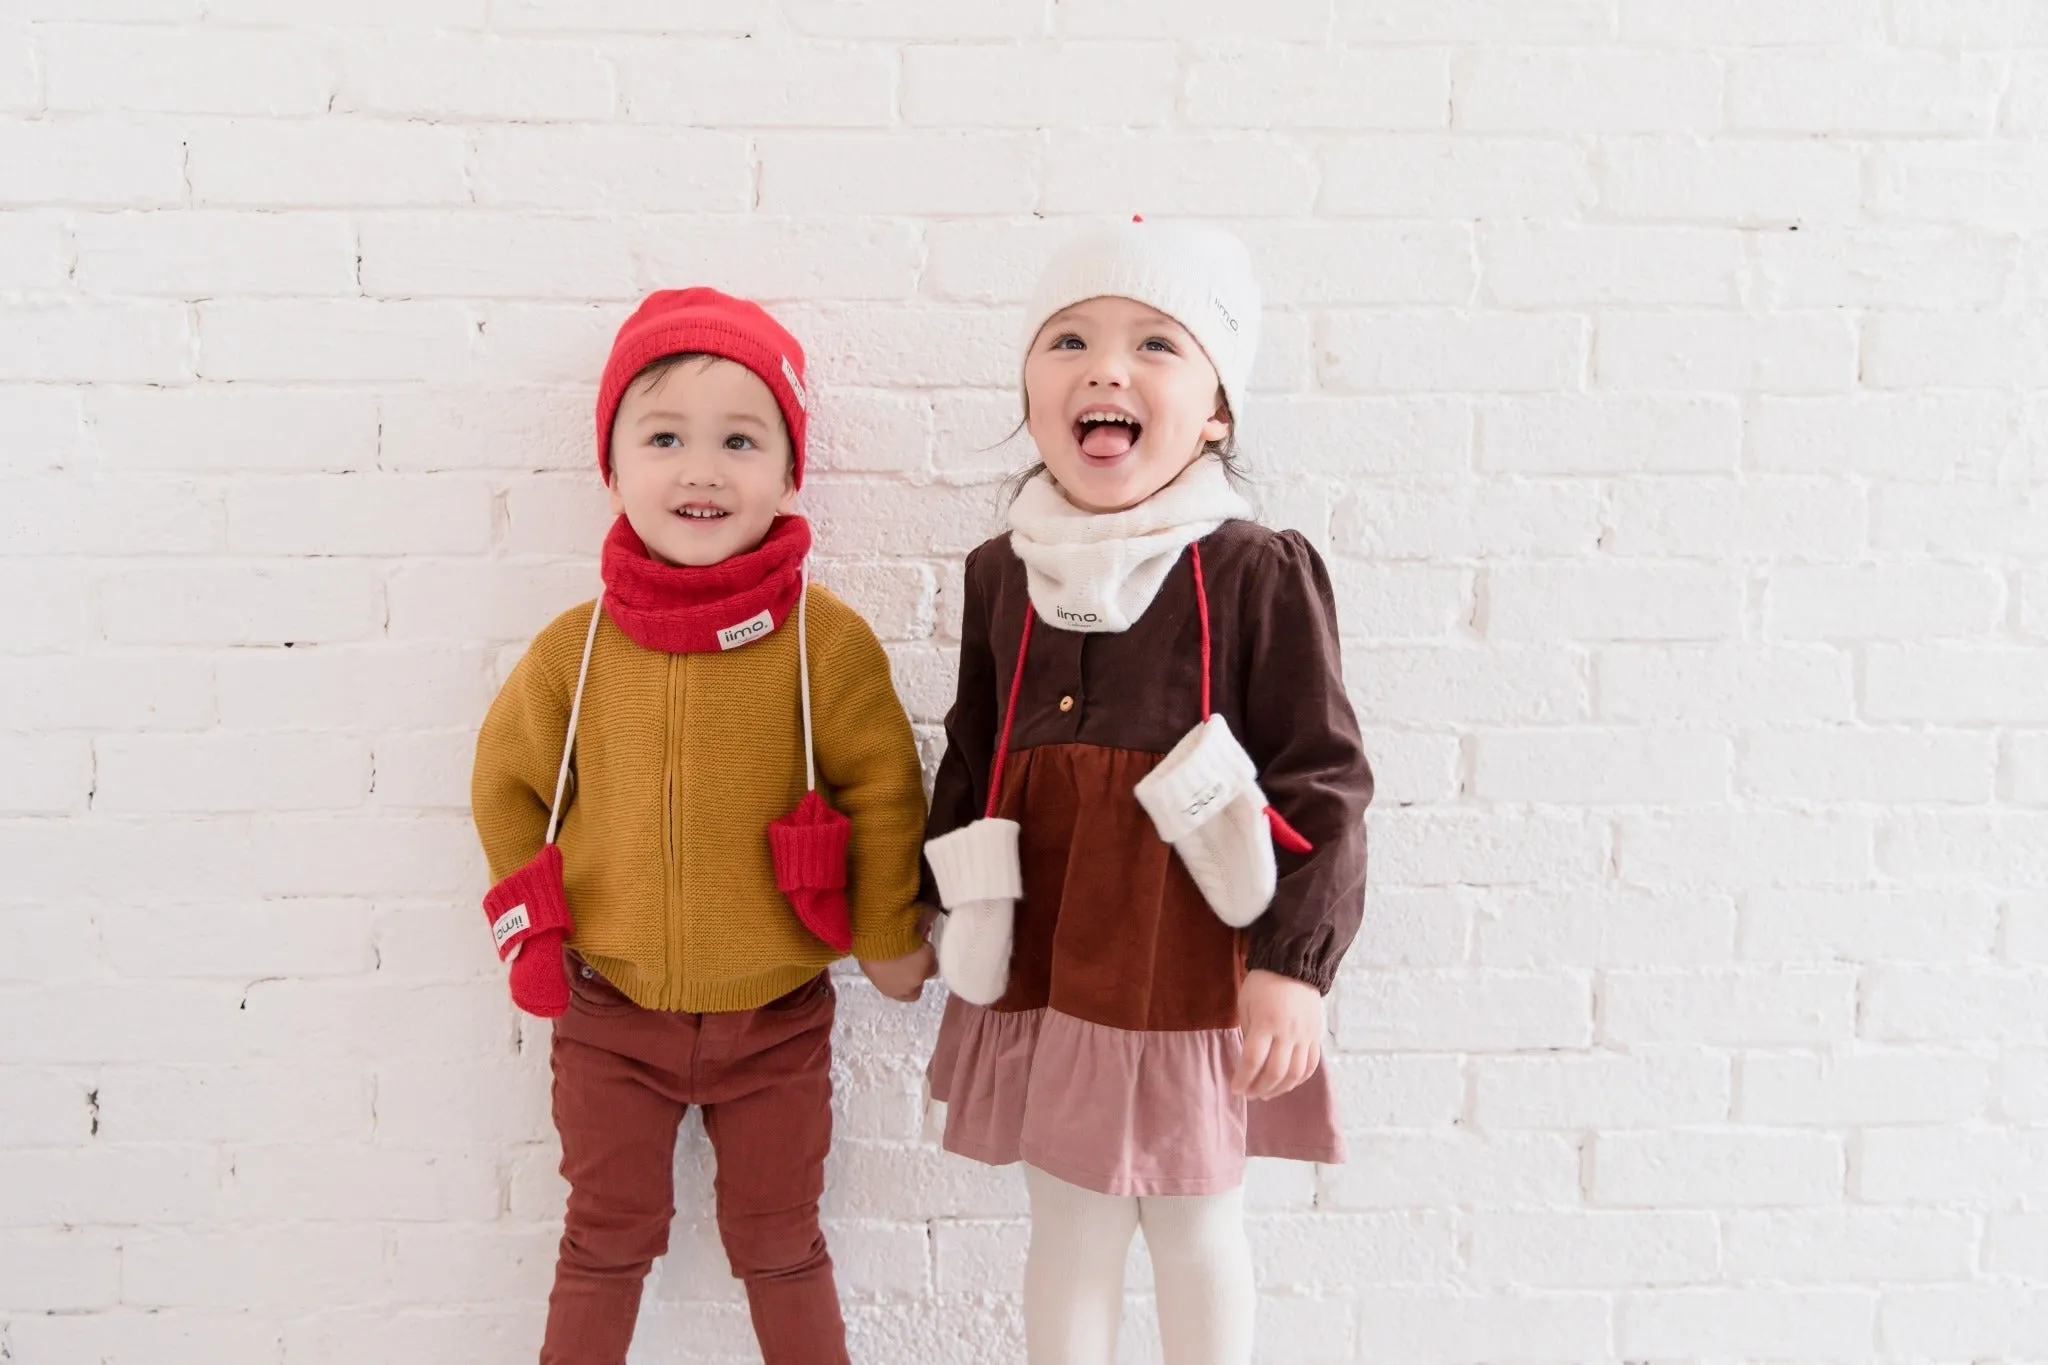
624, 1077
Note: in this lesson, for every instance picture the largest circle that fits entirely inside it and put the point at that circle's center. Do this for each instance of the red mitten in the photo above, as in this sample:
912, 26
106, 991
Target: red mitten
529, 915
809, 846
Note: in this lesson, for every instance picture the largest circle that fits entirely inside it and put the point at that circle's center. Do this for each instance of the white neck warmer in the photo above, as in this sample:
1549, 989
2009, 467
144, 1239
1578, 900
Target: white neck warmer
1099, 571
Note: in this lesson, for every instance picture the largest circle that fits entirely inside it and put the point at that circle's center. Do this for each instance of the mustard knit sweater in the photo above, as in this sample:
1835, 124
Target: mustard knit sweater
682, 761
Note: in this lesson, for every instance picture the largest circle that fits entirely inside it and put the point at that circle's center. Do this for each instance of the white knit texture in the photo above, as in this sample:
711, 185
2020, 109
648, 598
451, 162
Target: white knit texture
979, 880
1096, 572
977, 861
1190, 785
1204, 799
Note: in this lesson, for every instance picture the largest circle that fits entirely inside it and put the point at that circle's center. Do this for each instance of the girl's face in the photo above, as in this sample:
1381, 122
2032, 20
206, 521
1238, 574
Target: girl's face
1120, 399
700, 461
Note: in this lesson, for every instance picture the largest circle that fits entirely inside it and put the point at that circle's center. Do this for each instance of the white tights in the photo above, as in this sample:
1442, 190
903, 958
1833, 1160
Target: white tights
1074, 1275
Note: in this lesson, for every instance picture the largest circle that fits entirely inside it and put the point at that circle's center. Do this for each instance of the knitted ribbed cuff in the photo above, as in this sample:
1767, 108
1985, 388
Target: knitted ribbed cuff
977, 862
1193, 784
808, 846
529, 902
887, 944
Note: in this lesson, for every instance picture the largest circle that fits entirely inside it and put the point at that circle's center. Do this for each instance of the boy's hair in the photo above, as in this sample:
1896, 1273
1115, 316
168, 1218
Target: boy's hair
1225, 451
681, 322
651, 373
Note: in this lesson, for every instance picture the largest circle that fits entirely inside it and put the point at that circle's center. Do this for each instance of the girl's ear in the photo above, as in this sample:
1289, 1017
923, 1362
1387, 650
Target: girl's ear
1218, 426
787, 505
612, 487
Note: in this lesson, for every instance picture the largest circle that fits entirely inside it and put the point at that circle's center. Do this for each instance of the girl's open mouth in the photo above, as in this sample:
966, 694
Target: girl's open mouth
696, 513
1106, 436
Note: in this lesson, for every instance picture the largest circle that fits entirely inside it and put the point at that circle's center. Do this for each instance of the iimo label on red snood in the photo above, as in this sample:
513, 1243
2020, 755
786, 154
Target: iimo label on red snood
751, 629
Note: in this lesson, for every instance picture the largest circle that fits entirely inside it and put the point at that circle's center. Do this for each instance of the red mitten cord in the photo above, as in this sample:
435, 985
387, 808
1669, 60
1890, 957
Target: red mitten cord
529, 916
1286, 835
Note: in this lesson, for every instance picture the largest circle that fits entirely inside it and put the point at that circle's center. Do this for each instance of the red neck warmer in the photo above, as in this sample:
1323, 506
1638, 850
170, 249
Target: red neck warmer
679, 609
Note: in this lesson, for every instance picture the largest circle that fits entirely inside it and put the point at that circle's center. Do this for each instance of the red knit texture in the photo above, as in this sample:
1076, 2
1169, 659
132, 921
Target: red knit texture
681, 608
539, 985
809, 847
677, 321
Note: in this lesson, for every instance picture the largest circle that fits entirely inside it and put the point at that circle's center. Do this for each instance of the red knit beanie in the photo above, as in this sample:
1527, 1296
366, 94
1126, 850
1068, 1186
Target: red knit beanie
675, 321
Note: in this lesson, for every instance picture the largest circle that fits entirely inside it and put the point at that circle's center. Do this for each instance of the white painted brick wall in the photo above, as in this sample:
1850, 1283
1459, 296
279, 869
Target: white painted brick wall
1663, 379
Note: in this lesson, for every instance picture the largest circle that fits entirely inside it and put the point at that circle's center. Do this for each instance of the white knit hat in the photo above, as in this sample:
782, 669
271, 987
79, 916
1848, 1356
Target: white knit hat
1199, 276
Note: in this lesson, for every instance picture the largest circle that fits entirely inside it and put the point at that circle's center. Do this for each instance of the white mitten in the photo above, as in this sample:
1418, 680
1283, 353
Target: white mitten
980, 879
1204, 799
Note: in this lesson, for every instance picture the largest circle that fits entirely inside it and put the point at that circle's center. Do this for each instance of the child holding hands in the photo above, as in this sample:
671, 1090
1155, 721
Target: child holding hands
695, 794
1147, 827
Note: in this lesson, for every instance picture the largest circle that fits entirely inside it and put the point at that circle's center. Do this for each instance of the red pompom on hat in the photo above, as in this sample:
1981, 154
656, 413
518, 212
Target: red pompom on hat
676, 321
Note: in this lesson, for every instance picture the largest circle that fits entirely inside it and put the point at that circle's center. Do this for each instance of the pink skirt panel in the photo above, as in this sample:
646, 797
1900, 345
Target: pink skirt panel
1116, 1110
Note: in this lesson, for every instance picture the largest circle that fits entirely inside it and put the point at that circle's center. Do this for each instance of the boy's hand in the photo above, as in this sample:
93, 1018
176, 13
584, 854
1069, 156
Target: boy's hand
1283, 1034
903, 978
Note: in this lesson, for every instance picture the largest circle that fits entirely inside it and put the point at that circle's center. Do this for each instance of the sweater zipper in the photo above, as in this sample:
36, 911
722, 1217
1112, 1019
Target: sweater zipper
671, 917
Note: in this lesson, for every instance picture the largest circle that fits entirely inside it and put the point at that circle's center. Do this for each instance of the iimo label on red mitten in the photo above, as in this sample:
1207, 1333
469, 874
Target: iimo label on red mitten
513, 921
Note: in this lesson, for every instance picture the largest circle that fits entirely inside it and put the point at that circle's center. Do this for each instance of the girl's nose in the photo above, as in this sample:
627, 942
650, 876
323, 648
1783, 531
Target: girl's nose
1109, 372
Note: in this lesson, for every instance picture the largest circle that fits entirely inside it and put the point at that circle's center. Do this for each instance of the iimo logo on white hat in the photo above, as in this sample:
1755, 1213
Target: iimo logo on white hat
1223, 311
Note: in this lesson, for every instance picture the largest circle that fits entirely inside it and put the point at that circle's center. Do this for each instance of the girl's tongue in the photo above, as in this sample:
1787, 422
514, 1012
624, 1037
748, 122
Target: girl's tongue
1107, 440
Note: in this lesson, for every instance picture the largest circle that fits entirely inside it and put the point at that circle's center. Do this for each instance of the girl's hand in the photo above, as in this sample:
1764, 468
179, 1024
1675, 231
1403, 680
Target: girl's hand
1283, 1034
903, 978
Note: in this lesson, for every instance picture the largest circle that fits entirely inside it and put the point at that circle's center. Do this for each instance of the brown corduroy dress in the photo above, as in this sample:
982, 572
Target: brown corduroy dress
1107, 1061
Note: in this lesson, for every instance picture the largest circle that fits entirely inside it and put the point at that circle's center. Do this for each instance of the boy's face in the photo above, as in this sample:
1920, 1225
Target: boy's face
1119, 399
700, 461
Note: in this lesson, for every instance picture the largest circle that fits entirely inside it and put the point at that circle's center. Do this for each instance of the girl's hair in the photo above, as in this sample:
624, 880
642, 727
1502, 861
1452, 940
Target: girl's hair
1224, 450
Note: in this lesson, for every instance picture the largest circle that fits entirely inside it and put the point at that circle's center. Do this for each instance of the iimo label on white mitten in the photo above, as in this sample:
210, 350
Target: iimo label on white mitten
753, 628
513, 921
1204, 799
